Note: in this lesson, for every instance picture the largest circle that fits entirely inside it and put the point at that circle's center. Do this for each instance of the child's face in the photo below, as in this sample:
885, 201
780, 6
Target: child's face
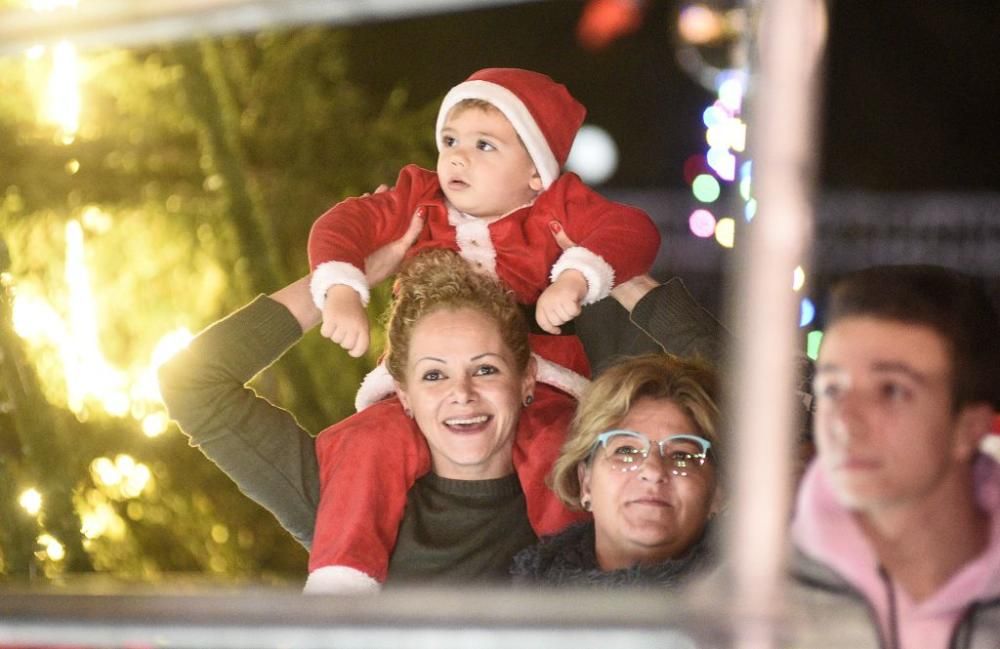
483, 167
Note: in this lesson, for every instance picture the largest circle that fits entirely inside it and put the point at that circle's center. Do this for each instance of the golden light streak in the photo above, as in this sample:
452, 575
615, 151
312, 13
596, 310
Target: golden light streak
62, 95
89, 377
31, 501
62, 92
87, 371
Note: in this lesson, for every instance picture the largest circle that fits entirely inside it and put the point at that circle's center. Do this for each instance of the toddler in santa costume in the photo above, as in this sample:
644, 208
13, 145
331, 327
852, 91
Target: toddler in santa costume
496, 198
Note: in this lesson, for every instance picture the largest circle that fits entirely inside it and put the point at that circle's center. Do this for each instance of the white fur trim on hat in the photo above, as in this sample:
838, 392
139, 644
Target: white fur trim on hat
340, 580
516, 112
559, 377
474, 243
599, 273
377, 385
330, 273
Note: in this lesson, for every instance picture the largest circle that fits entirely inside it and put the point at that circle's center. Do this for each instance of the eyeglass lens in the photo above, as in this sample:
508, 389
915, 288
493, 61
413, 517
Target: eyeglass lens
626, 451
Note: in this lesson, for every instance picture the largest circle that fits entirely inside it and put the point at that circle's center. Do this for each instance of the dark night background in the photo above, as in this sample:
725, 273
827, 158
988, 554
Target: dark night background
907, 138
911, 94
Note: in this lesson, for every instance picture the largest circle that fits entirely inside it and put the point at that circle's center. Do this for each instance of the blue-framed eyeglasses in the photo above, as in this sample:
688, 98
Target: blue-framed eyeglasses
626, 450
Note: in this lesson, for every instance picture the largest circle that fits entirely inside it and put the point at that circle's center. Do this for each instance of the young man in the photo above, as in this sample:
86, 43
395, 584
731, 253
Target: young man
898, 519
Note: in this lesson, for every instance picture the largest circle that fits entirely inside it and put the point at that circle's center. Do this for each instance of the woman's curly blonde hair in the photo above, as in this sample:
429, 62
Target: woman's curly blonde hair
689, 384
436, 280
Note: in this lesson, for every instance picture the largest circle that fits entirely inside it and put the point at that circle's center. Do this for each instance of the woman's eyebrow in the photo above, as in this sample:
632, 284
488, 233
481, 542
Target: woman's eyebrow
485, 354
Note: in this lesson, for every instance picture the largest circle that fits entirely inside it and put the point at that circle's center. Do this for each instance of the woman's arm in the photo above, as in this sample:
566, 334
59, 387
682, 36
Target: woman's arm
257, 444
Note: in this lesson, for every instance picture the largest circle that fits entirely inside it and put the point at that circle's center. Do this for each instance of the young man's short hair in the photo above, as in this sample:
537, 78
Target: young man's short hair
953, 304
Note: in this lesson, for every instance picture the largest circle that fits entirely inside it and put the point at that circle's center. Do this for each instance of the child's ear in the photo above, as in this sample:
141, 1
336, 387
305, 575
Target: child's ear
535, 183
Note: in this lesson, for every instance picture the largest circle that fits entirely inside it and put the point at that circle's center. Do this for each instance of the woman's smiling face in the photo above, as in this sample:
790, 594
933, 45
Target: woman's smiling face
649, 514
465, 391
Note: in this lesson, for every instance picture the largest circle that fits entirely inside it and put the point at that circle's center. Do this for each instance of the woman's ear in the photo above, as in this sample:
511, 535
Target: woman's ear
404, 398
718, 501
583, 476
528, 379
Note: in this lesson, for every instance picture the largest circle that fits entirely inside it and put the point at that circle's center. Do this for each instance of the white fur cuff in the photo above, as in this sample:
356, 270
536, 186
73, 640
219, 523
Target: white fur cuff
330, 273
560, 377
377, 385
599, 273
340, 580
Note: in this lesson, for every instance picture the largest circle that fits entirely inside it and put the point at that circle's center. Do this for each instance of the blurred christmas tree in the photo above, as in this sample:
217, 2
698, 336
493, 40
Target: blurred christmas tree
143, 195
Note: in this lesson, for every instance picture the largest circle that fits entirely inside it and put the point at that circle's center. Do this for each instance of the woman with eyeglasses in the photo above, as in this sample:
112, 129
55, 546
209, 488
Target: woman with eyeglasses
274, 461
642, 455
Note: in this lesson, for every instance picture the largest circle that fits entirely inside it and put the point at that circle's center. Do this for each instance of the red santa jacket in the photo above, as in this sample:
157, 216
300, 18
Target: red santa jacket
615, 242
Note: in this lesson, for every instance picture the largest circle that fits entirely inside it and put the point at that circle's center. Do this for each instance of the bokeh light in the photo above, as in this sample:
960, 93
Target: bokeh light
121, 478
30, 501
723, 162
798, 278
698, 24
813, 340
702, 223
706, 188
731, 90
594, 155
807, 312
694, 166
725, 232
51, 548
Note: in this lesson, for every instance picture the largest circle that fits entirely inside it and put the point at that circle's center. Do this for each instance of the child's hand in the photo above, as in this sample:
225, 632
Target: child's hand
560, 302
345, 321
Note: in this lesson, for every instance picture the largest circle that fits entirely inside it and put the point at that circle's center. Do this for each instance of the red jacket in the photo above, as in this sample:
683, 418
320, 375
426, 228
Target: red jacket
519, 246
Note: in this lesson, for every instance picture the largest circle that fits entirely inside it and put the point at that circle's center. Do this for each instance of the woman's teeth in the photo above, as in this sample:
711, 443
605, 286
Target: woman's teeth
467, 421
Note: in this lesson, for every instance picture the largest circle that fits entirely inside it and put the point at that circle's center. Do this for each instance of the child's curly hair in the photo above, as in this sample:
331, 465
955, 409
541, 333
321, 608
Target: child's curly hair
436, 280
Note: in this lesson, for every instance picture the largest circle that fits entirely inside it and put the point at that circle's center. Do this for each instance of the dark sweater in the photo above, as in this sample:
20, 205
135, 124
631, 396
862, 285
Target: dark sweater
568, 559
460, 531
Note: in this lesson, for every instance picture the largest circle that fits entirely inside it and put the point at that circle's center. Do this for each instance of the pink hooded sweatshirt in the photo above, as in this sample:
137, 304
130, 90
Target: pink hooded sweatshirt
827, 532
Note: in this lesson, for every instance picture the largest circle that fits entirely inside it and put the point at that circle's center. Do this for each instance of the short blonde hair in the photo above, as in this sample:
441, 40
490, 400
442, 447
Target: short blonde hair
437, 280
691, 385
483, 105
472, 102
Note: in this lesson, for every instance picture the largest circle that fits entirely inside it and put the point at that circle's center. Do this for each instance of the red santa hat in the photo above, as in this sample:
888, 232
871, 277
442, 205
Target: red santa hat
542, 112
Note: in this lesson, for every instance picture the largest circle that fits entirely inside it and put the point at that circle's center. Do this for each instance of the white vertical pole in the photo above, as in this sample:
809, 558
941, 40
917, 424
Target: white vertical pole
788, 45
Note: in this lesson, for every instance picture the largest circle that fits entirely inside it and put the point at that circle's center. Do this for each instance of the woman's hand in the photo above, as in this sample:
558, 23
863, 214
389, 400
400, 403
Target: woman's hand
380, 264
386, 260
627, 293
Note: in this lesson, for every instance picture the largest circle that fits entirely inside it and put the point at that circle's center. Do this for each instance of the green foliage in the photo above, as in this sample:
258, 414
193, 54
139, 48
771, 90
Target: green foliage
196, 173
